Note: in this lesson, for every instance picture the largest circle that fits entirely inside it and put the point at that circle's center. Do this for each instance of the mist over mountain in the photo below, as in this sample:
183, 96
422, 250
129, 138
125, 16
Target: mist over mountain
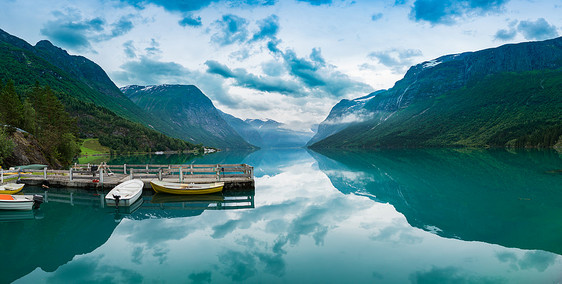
267, 133
275, 135
505, 96
244, 129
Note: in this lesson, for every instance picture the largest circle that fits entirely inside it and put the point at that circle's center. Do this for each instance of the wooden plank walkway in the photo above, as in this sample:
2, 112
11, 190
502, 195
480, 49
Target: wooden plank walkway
237, 177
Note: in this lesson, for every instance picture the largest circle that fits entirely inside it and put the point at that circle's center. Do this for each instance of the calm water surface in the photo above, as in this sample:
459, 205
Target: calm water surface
419, 216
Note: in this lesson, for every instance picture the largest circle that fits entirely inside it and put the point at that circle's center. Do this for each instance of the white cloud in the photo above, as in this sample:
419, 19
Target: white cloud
343, 34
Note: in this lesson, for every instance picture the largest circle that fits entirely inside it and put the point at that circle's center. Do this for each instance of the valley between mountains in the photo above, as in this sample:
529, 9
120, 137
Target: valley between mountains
509, 96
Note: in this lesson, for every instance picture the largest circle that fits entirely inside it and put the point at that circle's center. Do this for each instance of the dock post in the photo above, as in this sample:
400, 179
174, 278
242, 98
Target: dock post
191, 169
124, 169
160, 174
70, 173
146, 168
131, 170
101, 176
45, 173
218, 172
181, 175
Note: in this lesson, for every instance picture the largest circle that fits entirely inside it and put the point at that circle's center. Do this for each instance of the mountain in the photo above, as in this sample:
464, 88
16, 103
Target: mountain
267, 133
188, 112
342, 115
248, 132
504, 96
275, 135
100, 109
94, 84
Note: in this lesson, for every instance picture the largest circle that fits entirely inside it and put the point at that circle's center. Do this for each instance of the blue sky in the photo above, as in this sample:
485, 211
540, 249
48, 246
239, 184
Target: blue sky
286, 60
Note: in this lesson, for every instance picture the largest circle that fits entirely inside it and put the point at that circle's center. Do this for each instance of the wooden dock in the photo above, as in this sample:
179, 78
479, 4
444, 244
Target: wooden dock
236, 177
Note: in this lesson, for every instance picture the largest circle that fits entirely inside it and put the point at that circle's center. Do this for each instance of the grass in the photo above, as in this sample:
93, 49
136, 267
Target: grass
93, 159
92, 146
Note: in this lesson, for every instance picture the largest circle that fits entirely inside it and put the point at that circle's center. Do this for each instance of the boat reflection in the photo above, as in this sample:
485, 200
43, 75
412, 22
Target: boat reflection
47, 243
77, 222
20, 215
123, 211
176, 206
221, 201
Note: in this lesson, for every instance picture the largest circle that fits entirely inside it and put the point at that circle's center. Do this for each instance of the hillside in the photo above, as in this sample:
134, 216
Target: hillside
190, 114
86, 92
26, 151
71, 74
505, 96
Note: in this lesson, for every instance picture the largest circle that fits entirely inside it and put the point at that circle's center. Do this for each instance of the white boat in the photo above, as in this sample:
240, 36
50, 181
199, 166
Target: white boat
20, 202
125, 193
11, 188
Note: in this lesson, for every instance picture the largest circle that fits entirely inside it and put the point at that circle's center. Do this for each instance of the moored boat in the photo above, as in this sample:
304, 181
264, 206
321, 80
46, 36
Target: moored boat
16, 215
204, 198
186, 188
125, 193
11, 188
20, 202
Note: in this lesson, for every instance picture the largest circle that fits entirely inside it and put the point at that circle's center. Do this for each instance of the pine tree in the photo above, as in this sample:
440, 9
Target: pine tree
6, 145
56, 130
29, 117
11, 106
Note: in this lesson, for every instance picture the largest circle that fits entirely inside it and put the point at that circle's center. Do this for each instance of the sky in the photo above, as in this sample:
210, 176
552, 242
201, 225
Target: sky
287, 60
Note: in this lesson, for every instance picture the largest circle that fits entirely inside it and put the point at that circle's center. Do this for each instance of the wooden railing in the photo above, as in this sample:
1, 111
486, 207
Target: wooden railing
216, 171
16, 174
147, 171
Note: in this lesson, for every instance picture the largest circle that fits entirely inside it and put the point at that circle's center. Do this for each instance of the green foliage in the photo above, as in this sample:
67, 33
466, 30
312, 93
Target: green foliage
89, 109
6, 145
11, 107
29, 117
55, 130
508, 109
190, 113
67, 147
92, 146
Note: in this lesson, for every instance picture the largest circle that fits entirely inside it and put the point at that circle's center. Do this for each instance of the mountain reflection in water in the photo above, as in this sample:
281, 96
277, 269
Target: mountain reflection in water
420, 216
513, 199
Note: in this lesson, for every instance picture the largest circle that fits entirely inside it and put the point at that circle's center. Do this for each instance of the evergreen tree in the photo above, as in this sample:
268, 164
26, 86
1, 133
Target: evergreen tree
6, 145
11, 106
2, 122
52, 125
29, 117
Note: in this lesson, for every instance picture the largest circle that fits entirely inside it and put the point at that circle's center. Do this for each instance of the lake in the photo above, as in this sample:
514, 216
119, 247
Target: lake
393, 216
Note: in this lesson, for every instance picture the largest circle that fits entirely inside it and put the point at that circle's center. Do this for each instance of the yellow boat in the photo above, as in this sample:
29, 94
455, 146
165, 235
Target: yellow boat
167, 198
186, 188
11, 188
